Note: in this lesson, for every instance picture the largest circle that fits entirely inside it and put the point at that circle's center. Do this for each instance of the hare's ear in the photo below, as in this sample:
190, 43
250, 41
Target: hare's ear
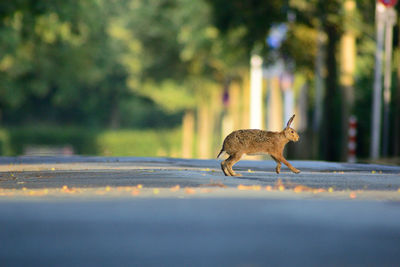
290, 121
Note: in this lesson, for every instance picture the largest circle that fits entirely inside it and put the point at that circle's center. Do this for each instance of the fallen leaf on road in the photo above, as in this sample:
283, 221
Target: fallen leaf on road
37, 193
256, 187
243, 187
279, 185
6, 194
135, 192
301, 188
175, 188
318, 190
249, 187
189, 190
214, 184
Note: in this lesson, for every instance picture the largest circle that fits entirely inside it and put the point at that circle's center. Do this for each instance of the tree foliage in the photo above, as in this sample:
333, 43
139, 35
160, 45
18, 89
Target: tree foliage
88, 62
254, 18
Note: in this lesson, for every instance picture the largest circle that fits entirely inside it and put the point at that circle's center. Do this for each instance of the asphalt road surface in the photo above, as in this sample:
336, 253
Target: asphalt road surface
84, 211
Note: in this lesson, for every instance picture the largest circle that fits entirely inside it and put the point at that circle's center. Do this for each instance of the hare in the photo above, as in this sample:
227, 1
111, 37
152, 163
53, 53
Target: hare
252, 142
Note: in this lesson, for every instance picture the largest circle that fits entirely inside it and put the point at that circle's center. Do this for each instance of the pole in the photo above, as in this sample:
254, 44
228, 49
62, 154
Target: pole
256, 92
319, 81
347, 68
387, 82
352, 142
396, 145
377, 94
288, 96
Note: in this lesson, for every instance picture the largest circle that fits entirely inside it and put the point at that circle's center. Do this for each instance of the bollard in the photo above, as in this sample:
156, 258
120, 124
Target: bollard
352, 144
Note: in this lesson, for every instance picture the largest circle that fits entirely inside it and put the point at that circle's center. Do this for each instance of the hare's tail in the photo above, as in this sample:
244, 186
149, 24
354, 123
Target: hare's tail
222, 150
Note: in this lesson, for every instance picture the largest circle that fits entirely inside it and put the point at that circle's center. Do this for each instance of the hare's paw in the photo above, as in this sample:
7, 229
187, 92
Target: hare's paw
233, 173
296, 171
278, 169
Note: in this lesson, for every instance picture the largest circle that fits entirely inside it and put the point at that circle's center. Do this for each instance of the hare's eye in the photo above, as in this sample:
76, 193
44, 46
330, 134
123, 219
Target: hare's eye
292, 131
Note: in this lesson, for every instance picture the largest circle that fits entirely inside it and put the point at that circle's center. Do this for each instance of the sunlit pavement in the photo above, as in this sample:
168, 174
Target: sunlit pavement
90, 211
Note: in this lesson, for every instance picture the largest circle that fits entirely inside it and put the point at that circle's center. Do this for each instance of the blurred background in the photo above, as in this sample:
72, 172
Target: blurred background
174, 77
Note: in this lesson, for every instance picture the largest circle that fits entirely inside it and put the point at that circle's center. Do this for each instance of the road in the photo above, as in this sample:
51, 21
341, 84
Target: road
90, 172
88, 211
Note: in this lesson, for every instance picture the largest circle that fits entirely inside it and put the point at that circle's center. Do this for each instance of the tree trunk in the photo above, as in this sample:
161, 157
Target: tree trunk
347, 69
203, 125
115, 117
396, 130
331, 126
187, 134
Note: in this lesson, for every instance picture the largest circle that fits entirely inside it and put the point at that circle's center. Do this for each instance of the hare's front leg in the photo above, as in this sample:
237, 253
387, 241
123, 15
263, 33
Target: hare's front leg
278, 165
282, 159
227, 165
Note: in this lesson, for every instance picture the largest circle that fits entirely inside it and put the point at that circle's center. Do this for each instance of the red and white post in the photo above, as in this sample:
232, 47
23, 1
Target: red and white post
352, 145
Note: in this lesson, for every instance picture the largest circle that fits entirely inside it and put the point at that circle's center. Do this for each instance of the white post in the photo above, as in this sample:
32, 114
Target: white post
256, 92
377, 94
288, 97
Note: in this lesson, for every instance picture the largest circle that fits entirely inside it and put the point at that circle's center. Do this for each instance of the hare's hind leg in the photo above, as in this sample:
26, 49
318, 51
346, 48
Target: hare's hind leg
278, 165
229, 162
282, 159
224, 168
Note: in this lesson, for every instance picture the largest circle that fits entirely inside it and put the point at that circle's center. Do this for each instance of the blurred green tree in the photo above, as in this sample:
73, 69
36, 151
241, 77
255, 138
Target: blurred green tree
253, 18
64, 62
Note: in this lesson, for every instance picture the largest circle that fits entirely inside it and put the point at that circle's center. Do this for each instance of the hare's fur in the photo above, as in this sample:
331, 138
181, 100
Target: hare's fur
252, 141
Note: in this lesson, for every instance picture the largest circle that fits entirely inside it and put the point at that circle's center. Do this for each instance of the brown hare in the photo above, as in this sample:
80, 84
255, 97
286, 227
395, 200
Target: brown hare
253, 142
